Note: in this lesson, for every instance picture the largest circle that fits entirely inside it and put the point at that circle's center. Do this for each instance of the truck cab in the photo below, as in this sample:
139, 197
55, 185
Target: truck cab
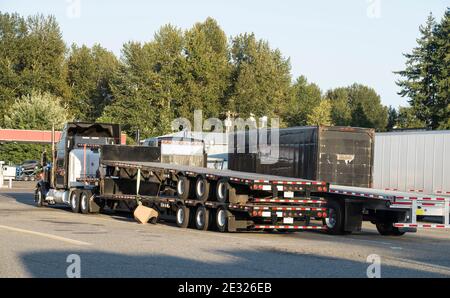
75, 159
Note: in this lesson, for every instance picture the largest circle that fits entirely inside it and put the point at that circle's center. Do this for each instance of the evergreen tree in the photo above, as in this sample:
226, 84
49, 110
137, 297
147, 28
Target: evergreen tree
392, 118
426, 75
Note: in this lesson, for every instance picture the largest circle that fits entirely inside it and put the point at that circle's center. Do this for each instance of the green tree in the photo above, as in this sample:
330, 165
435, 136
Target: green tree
442, 34
208, 69
320, 114
341, 112
367, 110
359, 106
392, 118
407, 119
90, 71
31, 57
305, 97
35, 111
425, 79
260, 79
148, 87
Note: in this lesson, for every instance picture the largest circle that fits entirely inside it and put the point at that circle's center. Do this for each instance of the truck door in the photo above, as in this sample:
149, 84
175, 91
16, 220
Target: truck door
60, 170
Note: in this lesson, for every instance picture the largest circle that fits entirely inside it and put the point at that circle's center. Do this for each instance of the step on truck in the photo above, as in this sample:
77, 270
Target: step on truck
92, 173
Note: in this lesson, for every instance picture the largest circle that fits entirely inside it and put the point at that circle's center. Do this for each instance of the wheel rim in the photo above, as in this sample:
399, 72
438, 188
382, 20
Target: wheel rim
180, 215
221, 218
220, 191
331, 219
180, 187
73, 201
200, 217
84, 202
200, 187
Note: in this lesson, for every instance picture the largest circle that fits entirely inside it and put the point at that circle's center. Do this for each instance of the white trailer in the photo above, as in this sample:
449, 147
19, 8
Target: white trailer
415, 162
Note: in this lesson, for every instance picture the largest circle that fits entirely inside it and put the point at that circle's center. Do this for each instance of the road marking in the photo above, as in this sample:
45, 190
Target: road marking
50, 236
411, 263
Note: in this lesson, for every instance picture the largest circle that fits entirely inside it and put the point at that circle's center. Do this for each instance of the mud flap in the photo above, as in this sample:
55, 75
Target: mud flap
353, 217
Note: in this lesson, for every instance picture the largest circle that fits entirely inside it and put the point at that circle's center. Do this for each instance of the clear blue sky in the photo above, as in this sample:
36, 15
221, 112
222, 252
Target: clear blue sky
333, 43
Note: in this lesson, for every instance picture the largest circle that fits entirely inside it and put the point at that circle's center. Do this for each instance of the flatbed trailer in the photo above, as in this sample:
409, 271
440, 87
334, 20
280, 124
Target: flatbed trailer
94, 173
413, 202
207, 198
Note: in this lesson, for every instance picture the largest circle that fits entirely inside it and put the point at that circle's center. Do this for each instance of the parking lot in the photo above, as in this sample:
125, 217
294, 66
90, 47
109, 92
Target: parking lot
36, 242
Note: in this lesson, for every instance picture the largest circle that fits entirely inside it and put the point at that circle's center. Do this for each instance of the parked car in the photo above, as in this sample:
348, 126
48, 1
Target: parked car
29, 165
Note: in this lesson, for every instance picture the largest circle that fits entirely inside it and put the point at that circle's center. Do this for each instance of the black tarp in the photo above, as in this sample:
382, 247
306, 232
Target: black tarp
338, 155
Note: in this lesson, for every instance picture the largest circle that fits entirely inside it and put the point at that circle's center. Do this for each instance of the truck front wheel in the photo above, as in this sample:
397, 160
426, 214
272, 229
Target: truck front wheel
388, 229
39, 197
75, 201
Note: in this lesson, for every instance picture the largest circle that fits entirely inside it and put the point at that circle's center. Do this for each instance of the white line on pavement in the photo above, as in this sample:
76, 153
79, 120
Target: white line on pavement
50, 236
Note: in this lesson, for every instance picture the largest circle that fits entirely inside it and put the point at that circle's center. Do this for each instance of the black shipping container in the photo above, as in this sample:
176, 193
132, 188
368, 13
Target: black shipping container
338, 155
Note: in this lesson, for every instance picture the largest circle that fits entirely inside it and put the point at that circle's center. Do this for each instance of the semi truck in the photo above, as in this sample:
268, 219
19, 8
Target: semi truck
93, 173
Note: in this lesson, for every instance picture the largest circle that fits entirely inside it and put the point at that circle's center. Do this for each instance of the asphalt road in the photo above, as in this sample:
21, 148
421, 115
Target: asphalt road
37, 242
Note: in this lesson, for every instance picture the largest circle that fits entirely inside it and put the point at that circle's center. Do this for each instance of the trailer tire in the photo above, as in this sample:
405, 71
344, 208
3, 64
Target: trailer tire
222, 192
388, 229
222, 220
202, 218
183, 187
182, 217
84, 202
335, 219
39, 197
75, 201
202, 187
